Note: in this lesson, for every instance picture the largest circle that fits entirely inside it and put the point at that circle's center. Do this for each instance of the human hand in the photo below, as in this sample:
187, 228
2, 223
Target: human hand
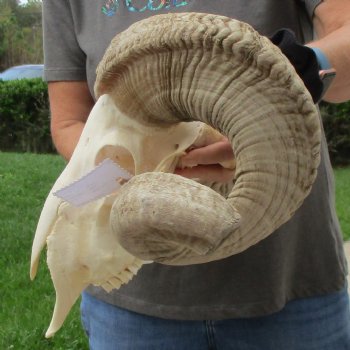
209, 163
304, 60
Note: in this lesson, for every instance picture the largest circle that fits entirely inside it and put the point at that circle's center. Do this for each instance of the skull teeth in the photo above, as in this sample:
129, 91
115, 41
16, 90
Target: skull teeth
123, 277
115, 282
134, 268
107, 286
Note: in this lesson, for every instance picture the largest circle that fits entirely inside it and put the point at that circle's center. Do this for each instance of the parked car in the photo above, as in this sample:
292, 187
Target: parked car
25, 71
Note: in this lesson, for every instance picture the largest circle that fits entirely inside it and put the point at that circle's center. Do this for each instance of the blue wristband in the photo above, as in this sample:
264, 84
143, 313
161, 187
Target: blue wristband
322, 59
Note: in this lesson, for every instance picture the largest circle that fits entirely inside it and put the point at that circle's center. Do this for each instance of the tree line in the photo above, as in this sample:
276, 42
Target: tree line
20, 33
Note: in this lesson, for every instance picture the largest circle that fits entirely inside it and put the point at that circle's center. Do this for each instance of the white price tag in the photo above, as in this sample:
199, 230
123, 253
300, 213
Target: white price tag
105, 179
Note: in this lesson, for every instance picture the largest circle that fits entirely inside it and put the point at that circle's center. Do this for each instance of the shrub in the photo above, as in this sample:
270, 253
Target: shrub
24, 116
336, 123
25, 121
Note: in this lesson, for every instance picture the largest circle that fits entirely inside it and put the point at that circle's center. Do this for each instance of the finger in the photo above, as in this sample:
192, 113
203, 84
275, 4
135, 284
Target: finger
212, 154
207, 173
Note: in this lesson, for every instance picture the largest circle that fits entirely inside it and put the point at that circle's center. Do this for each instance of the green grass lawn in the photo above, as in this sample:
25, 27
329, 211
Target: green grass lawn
26, 307
342, 184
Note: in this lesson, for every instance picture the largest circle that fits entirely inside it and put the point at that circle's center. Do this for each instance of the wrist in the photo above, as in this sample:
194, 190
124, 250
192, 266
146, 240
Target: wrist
322, 59
326, 72
311, 63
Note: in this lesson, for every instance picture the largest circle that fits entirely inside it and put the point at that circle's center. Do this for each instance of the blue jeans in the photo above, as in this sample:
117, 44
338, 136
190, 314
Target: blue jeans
318, 323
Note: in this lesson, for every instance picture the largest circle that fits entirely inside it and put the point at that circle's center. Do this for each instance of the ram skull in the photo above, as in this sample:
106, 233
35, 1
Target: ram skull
82, 248
157, 83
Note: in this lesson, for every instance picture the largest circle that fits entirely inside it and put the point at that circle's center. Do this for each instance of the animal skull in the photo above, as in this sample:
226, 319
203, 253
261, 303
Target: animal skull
82, 248
202, 68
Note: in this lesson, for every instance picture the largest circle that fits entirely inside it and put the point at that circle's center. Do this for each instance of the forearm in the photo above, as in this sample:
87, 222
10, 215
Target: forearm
337, 49
332, 24
70, 104
66, 137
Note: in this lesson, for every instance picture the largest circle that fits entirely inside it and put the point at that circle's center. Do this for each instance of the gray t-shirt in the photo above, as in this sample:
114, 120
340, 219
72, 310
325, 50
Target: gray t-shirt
303, 258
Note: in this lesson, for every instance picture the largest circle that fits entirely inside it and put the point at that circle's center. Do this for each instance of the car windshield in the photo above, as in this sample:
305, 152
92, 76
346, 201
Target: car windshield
22, 73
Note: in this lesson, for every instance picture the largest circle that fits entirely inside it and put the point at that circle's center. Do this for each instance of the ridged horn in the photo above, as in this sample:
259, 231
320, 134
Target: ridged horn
192, 66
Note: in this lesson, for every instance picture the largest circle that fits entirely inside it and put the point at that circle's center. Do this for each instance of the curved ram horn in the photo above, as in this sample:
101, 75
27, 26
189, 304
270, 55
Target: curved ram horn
208, 68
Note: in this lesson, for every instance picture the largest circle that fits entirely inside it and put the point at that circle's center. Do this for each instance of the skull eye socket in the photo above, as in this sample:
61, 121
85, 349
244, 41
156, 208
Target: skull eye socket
119, 155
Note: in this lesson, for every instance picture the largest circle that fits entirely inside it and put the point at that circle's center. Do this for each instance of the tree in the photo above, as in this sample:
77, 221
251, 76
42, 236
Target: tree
20, 33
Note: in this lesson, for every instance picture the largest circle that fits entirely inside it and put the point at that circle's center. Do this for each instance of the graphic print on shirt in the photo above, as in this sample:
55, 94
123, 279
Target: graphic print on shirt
111, 7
